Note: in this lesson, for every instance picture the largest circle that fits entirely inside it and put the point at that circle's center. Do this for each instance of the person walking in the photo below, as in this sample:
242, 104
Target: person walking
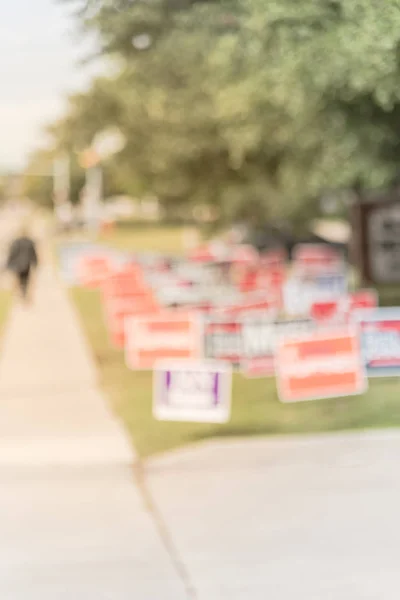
21, 261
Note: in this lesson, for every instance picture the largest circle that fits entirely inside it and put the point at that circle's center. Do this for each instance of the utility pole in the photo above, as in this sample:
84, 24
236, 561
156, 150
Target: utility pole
61, 186
105, 144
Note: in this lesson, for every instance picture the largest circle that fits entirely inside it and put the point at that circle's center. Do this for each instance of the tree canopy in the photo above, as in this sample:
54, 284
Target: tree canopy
253, 106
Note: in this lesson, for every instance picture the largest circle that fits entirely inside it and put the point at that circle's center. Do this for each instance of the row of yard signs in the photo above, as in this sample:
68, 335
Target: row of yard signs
192, 328
309, 366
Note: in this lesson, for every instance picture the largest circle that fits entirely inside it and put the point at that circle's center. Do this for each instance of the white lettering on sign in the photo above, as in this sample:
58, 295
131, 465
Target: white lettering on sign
299, 295
191, 381
222, 344
191, 389
330, 364
165, 340
381, 344
260, 338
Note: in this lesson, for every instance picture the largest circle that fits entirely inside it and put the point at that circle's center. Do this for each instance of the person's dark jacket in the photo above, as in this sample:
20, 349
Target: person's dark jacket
22, 255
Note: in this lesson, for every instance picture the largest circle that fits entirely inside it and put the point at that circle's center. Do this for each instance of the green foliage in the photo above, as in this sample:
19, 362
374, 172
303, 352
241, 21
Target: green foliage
255, 107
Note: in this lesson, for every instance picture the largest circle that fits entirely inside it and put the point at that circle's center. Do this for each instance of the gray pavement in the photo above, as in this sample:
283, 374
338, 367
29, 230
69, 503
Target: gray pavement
73, 523
310, 518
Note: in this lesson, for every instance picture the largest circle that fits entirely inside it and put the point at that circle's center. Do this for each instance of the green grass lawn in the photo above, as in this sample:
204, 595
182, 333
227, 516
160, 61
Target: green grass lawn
5, 305
147, 238
256, 408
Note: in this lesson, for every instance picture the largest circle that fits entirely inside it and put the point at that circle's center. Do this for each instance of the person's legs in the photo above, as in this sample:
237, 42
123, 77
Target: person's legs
24, 279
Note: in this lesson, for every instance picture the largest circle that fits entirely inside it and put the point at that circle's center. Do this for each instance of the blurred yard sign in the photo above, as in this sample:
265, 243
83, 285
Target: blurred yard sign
274, 258
363, 299
214, 251
116, 310
260, 337
299, 293
198, 391
223, 338
265, 278
169, 335
243, 254
70, 256
380, 341
341, 309
195, 272
179, 295
320, 365
94, 269
376, 238
126, 294
328, 312
250, 306
119, 308
316, 258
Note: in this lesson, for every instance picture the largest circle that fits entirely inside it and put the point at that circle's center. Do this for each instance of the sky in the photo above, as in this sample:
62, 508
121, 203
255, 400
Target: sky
39, 67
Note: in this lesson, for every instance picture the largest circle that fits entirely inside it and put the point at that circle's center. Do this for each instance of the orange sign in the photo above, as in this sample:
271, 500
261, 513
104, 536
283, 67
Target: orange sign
93, 270
117, 310
320, 365
170, 334
120, 302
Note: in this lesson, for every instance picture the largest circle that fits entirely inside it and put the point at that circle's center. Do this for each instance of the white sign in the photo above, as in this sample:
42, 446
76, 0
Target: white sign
198, 391
299, 294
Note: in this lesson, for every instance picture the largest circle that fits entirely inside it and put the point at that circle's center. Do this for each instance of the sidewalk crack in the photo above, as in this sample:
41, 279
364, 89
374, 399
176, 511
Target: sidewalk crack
164, 533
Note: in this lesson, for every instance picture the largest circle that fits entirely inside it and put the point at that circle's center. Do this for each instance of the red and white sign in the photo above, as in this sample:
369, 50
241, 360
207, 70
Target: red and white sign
223, 338
320, 365
267, 279
168, 335
316, 258
328, 312
340, 310
363, 299
118, 308
250, 306
126, 294
379, 332
260, 336
244, 254
274, 258
93, 270
211, 252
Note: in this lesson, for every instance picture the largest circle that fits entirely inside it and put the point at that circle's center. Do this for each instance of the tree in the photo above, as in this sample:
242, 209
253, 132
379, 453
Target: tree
253, 107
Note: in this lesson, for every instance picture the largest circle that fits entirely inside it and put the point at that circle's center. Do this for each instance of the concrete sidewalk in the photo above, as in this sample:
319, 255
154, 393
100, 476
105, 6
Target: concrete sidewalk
51, 409
304, 517
73, 523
